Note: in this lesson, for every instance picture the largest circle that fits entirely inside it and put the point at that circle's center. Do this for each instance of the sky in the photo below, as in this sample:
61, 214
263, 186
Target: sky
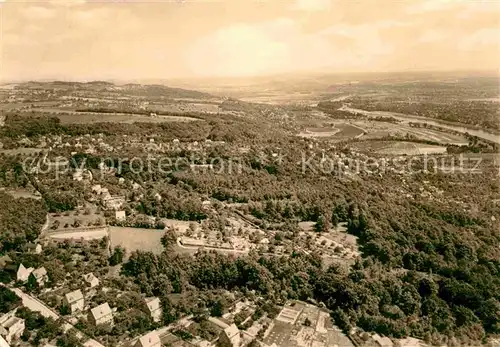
127, 40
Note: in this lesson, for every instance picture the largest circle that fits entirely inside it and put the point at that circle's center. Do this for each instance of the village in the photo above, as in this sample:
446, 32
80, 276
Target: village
243, 323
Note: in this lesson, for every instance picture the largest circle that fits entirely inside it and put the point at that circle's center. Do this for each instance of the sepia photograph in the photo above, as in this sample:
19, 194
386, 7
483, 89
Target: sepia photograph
249, 173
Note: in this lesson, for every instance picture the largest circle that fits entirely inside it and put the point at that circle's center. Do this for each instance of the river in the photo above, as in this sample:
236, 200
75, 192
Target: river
407, 118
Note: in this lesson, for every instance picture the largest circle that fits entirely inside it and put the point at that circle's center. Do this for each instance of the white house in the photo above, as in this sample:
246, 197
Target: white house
91, 280
231, 336
382, 341
154, 308
149, 340
101, 314
23, 273
3, 343
40, 276
74, 300
120, 216
78, 175
11, 327
35, 248
96, 188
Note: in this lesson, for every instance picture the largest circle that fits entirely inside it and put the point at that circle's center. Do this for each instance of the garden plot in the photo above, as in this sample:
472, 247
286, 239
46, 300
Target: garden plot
87, 217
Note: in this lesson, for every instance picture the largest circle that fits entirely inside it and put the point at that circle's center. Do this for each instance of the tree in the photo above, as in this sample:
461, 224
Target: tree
8, 300
76, 223
321, 225
217, 309
32, 284
169, 239
117, 256
335, 220
68, 340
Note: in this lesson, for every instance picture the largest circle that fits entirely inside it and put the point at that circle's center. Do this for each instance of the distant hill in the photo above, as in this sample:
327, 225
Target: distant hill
132, 89
157, 90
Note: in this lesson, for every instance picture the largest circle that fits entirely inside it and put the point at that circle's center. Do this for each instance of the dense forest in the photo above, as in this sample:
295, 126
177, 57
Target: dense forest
21, 221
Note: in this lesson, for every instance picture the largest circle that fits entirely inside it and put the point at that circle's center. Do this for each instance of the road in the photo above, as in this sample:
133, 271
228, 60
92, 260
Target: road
44, 227
36, 305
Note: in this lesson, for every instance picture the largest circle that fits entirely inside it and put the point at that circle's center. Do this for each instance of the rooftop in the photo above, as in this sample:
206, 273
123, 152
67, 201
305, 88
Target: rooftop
101, 311
39, 273
153, 303
231, 331
74, 296
89, 277
150, 339
10, 322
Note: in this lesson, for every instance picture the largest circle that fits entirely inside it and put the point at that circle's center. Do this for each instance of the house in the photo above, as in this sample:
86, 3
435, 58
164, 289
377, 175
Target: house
264, 241
5, 261
120, 216
3, 343
40, 276
74, 301
91, 280
230, 336
30, 247
382, 341
23, 273
96, 188
149, 340
113, 202
11, 327
154, 308
78, 175
101, 314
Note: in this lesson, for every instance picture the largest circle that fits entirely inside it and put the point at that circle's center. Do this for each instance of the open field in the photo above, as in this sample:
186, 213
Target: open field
187, 107
407, 118
398, 147
320, 125
73, 117
22, 193
338, 131
133, 239
377, 130
22, 151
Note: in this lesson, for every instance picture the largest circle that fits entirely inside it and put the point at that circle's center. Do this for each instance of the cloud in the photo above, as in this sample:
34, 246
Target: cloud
431, 6
480, 38
311, 5
364, 39
468, 7
282, 45
242, 49
478, 8
38, 12
433, 35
